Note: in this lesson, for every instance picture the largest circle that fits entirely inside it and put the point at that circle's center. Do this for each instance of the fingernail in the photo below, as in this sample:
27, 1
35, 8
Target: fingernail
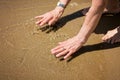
37, 22
59, 42
52, 52
57, 55
64, 57
41, 24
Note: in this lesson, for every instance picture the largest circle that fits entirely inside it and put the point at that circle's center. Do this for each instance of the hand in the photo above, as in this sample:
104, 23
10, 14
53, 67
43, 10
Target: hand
50, 17
68, 47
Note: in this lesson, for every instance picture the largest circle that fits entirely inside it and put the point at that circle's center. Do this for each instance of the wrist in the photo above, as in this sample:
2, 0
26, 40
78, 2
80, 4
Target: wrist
81, 39
64, 2
59, 9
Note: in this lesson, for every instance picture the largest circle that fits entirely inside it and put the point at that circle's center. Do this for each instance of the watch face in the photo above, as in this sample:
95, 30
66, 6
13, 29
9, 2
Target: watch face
60, 5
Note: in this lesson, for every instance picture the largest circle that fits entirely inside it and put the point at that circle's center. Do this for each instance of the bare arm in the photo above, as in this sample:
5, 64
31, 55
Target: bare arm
91, 19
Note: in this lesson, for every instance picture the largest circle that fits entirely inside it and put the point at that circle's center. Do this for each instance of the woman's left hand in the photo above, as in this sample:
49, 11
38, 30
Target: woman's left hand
68, 47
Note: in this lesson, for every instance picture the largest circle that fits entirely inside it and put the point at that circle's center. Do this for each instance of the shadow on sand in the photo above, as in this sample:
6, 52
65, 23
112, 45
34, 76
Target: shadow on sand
95, 47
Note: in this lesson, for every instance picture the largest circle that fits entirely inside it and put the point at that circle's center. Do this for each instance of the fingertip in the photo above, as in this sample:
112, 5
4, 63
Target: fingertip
102, 39
52, 53
57, 55
59, 42
51, 50
68, 55
65, 58
37, 22
38, 16
49, 23
41, 24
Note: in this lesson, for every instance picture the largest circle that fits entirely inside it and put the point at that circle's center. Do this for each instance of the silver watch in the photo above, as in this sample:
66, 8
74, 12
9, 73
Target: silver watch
60, 4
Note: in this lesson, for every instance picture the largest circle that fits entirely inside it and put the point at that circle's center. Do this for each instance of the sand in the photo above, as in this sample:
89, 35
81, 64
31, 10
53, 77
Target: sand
25, 50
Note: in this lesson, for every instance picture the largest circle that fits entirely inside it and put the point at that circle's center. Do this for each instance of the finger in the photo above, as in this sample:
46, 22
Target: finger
104, 38
45, 21
39, 17
68, 55
58, 51
39, 21
58, 47
61, 42
62, 53
64, 42
51, 22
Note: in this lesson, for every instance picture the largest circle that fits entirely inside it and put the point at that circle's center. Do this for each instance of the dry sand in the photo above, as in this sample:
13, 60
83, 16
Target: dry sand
25, 51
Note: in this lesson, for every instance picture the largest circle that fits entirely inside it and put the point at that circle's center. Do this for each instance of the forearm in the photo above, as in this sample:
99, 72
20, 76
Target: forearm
90, 23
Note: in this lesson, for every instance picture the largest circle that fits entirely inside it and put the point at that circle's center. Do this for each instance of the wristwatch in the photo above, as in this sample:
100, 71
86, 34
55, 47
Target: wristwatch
60, 4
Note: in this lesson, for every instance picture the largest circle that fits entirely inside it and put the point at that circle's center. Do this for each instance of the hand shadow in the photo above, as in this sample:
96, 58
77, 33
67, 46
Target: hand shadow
62, 21
95, 47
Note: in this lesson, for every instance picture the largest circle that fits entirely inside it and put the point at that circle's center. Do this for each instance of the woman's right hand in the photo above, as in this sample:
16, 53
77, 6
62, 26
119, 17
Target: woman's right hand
50, 17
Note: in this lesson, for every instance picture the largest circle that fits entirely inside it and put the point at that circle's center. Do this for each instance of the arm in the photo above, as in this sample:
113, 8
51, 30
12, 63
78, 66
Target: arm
70, 46
92, 19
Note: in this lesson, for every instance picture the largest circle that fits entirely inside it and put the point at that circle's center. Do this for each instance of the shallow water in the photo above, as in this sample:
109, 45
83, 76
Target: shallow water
25, 50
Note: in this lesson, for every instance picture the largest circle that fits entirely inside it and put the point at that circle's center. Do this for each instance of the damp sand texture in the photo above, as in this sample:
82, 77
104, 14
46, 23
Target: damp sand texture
25, 50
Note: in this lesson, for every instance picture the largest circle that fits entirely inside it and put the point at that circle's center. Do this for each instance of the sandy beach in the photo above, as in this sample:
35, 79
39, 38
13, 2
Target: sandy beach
25, 49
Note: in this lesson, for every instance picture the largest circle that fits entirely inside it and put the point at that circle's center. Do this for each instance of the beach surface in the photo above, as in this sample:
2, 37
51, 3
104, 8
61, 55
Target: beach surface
25, 49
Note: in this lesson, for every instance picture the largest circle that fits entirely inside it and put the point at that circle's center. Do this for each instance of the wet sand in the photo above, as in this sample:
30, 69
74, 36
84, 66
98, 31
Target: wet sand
25, 50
